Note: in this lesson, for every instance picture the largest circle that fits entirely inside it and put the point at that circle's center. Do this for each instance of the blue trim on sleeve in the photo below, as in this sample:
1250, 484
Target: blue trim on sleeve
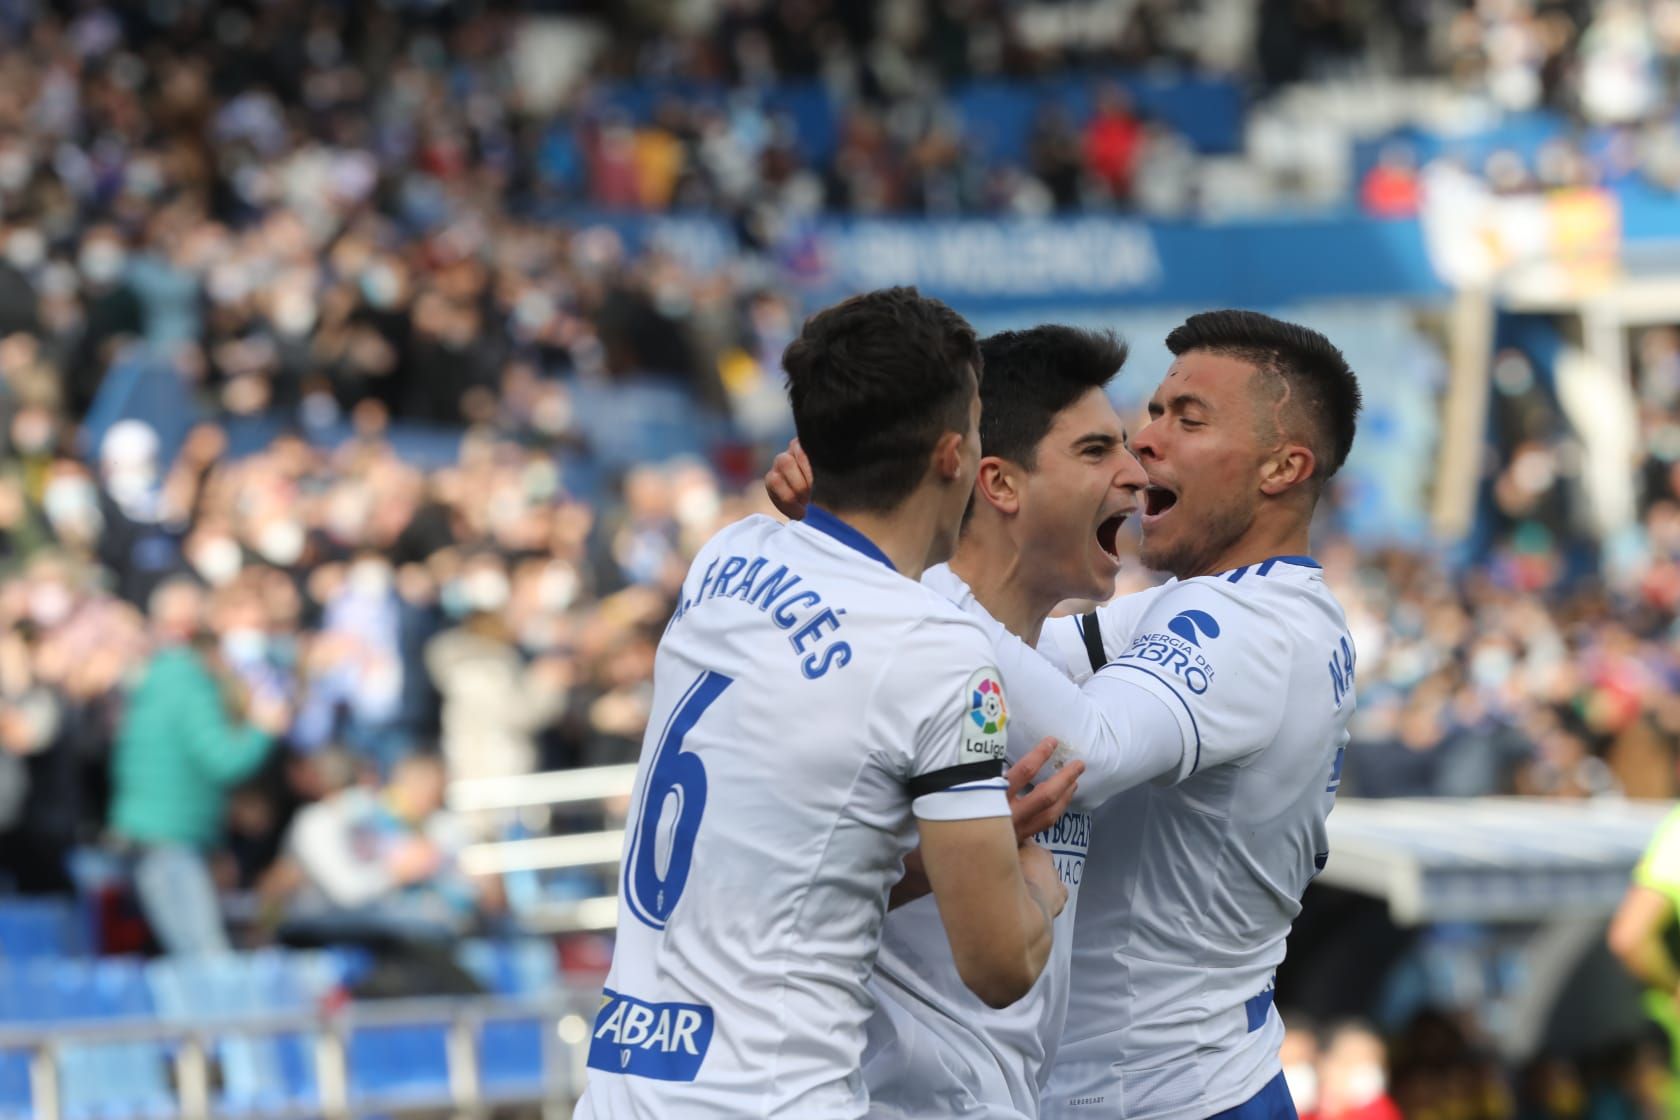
825, 522
1238, 574
1187, 711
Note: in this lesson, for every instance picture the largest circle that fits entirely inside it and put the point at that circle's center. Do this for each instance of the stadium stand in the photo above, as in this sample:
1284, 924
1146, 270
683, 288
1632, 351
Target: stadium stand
430, 342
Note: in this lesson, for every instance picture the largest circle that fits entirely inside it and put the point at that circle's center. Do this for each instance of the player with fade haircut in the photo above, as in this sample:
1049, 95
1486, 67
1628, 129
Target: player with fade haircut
1220, 702
813, 714
1054, 489
1244, 664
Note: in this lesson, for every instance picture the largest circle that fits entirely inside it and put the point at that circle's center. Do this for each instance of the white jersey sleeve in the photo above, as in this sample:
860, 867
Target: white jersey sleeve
1225, 702
942, 689
1125, 734
1081, 644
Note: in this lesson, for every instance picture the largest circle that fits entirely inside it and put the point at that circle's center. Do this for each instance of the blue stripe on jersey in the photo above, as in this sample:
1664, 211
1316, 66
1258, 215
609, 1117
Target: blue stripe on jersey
822, 521
1257, 1007
1165, 684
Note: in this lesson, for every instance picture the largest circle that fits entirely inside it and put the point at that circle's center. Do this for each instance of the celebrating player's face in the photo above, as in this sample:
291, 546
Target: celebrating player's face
1201, 450
1083, 486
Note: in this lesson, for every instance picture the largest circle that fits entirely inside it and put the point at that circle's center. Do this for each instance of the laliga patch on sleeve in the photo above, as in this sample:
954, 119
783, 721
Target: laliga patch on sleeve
983, 734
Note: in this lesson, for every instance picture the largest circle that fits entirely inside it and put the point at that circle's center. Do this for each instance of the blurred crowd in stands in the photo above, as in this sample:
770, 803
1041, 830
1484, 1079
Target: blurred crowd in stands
1438, 1068
313, 243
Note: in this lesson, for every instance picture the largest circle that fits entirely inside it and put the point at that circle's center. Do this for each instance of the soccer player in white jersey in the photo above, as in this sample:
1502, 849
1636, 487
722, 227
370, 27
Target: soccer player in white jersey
1055, 485
1244, 662
1252, 420
815, 712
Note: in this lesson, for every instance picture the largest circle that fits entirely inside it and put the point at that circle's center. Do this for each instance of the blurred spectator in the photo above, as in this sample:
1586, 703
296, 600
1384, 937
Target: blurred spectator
1114, 140
1353, 1077
493, 703
382, 865
1391, 188
1299, 1054
186, 738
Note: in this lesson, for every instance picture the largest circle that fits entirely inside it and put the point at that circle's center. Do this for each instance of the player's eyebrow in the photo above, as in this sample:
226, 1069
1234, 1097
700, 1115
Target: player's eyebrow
1104, 440
1178, 402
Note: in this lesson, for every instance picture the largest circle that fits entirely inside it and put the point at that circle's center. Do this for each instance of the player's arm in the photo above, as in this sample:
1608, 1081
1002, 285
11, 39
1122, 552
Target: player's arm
1141, 720
997, 899
1637, 932
1034, 806
1636, 937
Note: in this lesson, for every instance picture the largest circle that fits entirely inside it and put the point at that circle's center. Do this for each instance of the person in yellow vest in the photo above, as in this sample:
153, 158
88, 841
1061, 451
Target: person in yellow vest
1646, 939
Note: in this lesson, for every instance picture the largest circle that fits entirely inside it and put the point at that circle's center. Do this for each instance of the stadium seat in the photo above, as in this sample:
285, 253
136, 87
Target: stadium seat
126, 1081
33, 928
257, 1072
397, 1064
510, 1051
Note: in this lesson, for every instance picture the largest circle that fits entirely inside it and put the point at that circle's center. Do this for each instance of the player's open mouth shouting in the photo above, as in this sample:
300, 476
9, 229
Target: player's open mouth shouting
1110, 518
1158, 499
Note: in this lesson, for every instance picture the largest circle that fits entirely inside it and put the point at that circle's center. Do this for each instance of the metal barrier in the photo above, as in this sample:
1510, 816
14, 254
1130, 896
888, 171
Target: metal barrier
585, 849
565, 1016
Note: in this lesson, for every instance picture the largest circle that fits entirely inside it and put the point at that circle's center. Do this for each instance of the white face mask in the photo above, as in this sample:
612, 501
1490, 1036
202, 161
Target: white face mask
70, 502
244, 647
1302, 1080
102, 262
26, 249
557, 588
370, 579
281, 542
49, 604
1366, 1082
218, 560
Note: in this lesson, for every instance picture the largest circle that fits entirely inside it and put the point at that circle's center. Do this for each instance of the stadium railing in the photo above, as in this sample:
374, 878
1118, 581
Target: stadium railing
464, 1090
593, 785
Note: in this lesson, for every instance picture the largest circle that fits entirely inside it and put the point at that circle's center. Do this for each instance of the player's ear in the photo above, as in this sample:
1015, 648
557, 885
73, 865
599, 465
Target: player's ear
997, 484
947, 456
1286, 468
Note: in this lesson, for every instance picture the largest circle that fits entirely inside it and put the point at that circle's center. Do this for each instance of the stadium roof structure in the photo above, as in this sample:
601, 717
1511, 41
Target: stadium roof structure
1489, 859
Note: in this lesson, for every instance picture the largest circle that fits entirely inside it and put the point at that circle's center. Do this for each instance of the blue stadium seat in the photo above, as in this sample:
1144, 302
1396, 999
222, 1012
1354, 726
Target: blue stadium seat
510, 1051
127, 1081
36, 928
257, 1072
398, 1063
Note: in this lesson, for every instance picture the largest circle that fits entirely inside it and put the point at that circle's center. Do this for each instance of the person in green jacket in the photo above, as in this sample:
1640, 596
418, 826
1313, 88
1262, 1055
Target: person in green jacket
180, 748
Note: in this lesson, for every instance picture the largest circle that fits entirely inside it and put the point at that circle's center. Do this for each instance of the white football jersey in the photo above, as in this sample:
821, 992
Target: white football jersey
809, 704
935, 1049
1196, 878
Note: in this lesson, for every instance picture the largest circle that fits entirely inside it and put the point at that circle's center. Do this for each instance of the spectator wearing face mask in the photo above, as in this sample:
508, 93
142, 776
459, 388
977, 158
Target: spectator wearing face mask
494, 704
183, 743
1299, 1054
1353, 1077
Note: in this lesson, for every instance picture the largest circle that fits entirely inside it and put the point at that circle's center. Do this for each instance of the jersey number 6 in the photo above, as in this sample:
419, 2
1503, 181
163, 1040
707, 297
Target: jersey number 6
662, 845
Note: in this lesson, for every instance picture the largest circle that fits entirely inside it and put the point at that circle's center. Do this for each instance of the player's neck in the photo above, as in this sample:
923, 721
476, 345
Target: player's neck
905, 535
991, 566
1256, 546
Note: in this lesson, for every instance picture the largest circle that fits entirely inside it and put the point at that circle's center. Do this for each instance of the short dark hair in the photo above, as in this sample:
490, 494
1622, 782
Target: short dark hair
1032, 375
875, 381
1294, 359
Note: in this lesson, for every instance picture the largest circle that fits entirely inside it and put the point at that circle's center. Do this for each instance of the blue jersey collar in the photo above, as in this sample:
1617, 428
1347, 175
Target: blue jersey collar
823, 521
1265, 567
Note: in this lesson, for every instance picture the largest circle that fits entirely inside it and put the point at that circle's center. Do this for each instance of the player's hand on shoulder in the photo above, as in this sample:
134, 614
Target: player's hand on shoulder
789, 482
1037, 804
1043, 881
